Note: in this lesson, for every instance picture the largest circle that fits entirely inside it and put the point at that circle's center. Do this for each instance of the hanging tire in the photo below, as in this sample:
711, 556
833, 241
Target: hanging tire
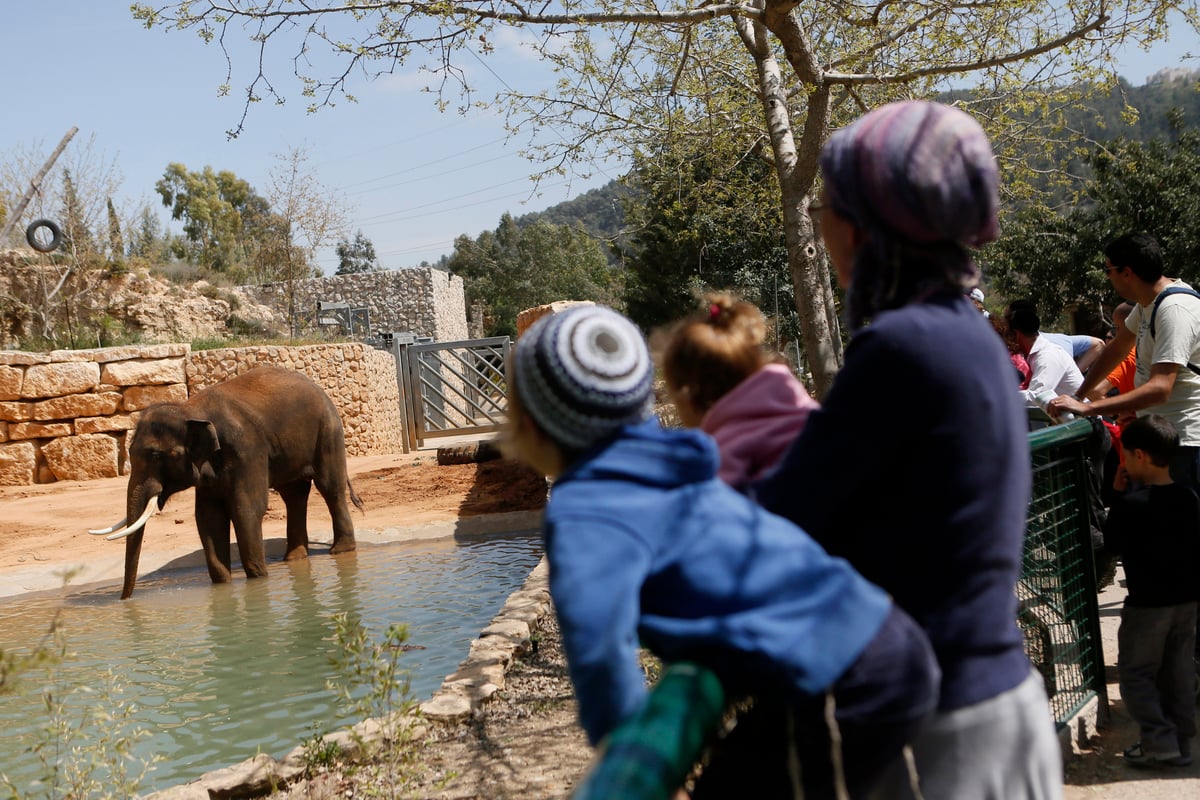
36, 243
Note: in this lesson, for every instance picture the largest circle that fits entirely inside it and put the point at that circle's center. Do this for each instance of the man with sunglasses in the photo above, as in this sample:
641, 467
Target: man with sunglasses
1165, 327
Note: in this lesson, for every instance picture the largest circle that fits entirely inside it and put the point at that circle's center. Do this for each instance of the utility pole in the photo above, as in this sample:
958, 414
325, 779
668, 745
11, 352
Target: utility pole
35, 186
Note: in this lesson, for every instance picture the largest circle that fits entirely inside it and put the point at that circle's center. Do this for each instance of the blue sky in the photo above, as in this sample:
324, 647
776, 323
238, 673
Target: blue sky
414, 178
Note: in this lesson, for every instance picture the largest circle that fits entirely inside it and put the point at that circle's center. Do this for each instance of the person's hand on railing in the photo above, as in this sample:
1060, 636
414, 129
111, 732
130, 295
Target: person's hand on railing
1065, 404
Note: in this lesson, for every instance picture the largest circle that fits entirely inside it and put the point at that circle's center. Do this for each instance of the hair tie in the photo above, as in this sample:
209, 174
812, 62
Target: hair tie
714, 312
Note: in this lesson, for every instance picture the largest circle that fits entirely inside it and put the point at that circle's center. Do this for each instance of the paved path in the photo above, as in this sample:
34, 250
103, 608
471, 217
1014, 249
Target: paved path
1099, 772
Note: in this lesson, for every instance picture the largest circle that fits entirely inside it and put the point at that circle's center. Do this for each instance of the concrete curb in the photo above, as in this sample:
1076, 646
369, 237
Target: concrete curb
479, 676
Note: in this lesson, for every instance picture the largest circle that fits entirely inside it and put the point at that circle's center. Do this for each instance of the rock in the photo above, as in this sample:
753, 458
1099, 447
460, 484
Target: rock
18, 461
83, 458
38, 430
10, 382
55, 380
151, 372
532, 315
139, 397
77, 405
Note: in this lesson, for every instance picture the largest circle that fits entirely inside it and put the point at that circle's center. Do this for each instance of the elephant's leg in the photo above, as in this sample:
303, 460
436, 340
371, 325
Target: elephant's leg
247, 515
295, 500
333, 489
212, 522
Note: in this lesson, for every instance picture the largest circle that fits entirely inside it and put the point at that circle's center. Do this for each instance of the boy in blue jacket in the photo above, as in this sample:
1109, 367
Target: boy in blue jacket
646, 545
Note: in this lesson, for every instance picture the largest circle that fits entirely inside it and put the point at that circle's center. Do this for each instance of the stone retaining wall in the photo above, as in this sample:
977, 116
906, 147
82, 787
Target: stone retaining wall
423, 300
360, 380
66, 415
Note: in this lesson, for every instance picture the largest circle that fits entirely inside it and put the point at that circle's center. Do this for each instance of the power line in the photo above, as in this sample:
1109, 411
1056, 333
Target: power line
454, 155
426, 205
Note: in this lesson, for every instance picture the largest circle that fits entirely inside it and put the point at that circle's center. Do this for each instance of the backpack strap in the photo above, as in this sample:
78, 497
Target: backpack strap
1163, 295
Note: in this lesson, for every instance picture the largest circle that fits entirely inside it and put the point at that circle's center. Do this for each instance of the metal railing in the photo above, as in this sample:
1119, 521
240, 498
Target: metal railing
1059, 613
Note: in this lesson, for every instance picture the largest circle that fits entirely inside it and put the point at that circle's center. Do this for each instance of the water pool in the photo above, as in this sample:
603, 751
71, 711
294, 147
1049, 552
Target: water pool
220, 673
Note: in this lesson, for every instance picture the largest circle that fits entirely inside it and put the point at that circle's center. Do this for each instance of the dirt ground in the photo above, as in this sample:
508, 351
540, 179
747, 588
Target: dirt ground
525, 744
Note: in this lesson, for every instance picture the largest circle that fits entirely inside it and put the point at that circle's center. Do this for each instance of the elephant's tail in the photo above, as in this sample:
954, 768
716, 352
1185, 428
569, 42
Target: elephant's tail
354, 498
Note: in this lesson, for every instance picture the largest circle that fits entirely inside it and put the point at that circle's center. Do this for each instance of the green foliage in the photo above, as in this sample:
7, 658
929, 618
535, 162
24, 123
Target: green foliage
514, 268
77, 238
357, 256
763, 76
320, 753
599, 211
1057, 258
148, 238
702, 221
220, 213
372, 684
86, 748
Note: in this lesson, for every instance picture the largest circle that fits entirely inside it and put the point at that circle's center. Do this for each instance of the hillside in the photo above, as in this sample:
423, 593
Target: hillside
96, 309
601, 211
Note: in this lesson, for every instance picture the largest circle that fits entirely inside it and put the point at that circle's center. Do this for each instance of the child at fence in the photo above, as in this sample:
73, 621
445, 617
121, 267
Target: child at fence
724, 382
646, 544
1156, 529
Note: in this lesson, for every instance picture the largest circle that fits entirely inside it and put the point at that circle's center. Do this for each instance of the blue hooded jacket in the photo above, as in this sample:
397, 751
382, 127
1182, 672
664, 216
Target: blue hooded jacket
644, 542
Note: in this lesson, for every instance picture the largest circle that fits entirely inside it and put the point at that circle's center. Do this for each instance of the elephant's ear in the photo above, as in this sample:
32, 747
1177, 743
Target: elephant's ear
202, 441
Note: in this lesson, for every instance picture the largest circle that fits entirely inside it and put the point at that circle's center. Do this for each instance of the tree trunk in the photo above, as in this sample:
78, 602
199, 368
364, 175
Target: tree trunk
797, 173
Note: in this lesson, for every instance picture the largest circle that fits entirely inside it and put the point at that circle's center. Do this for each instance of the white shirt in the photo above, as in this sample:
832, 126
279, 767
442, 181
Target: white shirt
1053, 369
1176, 341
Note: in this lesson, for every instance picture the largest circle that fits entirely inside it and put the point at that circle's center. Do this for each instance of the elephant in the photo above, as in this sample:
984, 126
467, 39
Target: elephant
268, 428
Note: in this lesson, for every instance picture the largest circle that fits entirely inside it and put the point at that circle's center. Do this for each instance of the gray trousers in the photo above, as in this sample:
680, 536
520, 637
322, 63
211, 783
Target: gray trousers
1005, 748
1157, 674
1185, 470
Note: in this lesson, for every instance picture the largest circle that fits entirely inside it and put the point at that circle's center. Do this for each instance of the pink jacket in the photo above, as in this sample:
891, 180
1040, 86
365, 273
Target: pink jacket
755, 423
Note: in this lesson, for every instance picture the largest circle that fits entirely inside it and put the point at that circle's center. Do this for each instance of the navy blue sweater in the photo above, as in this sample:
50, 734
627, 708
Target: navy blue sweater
916, 470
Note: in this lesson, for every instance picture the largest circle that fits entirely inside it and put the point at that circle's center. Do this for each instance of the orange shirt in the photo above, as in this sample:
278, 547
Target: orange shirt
1122, 376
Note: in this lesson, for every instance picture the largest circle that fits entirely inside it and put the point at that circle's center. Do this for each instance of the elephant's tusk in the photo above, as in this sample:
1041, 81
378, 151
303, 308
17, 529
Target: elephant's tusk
137, 526
109, 529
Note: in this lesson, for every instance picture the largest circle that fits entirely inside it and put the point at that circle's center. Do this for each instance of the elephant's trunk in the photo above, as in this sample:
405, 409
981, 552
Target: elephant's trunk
137, 505
133, 549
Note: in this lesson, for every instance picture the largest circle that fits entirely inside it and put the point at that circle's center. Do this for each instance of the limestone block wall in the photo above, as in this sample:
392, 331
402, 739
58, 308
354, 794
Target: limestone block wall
423, 300
67, 415
360, 380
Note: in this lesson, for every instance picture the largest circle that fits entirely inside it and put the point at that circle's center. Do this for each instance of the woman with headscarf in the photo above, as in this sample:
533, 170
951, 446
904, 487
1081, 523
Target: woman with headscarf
916, 466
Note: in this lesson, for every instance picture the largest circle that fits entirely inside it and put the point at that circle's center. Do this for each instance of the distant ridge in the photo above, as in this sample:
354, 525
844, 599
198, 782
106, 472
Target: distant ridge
601, 213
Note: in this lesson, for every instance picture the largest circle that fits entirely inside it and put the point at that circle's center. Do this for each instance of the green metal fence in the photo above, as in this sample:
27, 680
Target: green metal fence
1059, 614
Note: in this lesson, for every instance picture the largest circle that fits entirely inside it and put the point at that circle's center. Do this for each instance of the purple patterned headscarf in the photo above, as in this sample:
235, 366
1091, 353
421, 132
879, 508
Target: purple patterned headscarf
920, 181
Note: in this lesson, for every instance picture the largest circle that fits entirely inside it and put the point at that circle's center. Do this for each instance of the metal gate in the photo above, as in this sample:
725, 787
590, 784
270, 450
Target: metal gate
450, 388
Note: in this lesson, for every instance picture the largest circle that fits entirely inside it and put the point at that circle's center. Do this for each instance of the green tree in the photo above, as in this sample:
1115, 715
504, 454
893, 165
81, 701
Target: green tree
148, 240
628, 74
1057, 258
211, 204
116, 243
76, 234
356, 256
699, 220
514, 268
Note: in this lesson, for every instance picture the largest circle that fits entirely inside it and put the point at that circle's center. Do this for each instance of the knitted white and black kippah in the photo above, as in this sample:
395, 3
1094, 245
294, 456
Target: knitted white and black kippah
584, 373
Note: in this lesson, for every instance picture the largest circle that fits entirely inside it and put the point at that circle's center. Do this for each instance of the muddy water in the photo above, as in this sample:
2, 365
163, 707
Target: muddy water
220, 673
